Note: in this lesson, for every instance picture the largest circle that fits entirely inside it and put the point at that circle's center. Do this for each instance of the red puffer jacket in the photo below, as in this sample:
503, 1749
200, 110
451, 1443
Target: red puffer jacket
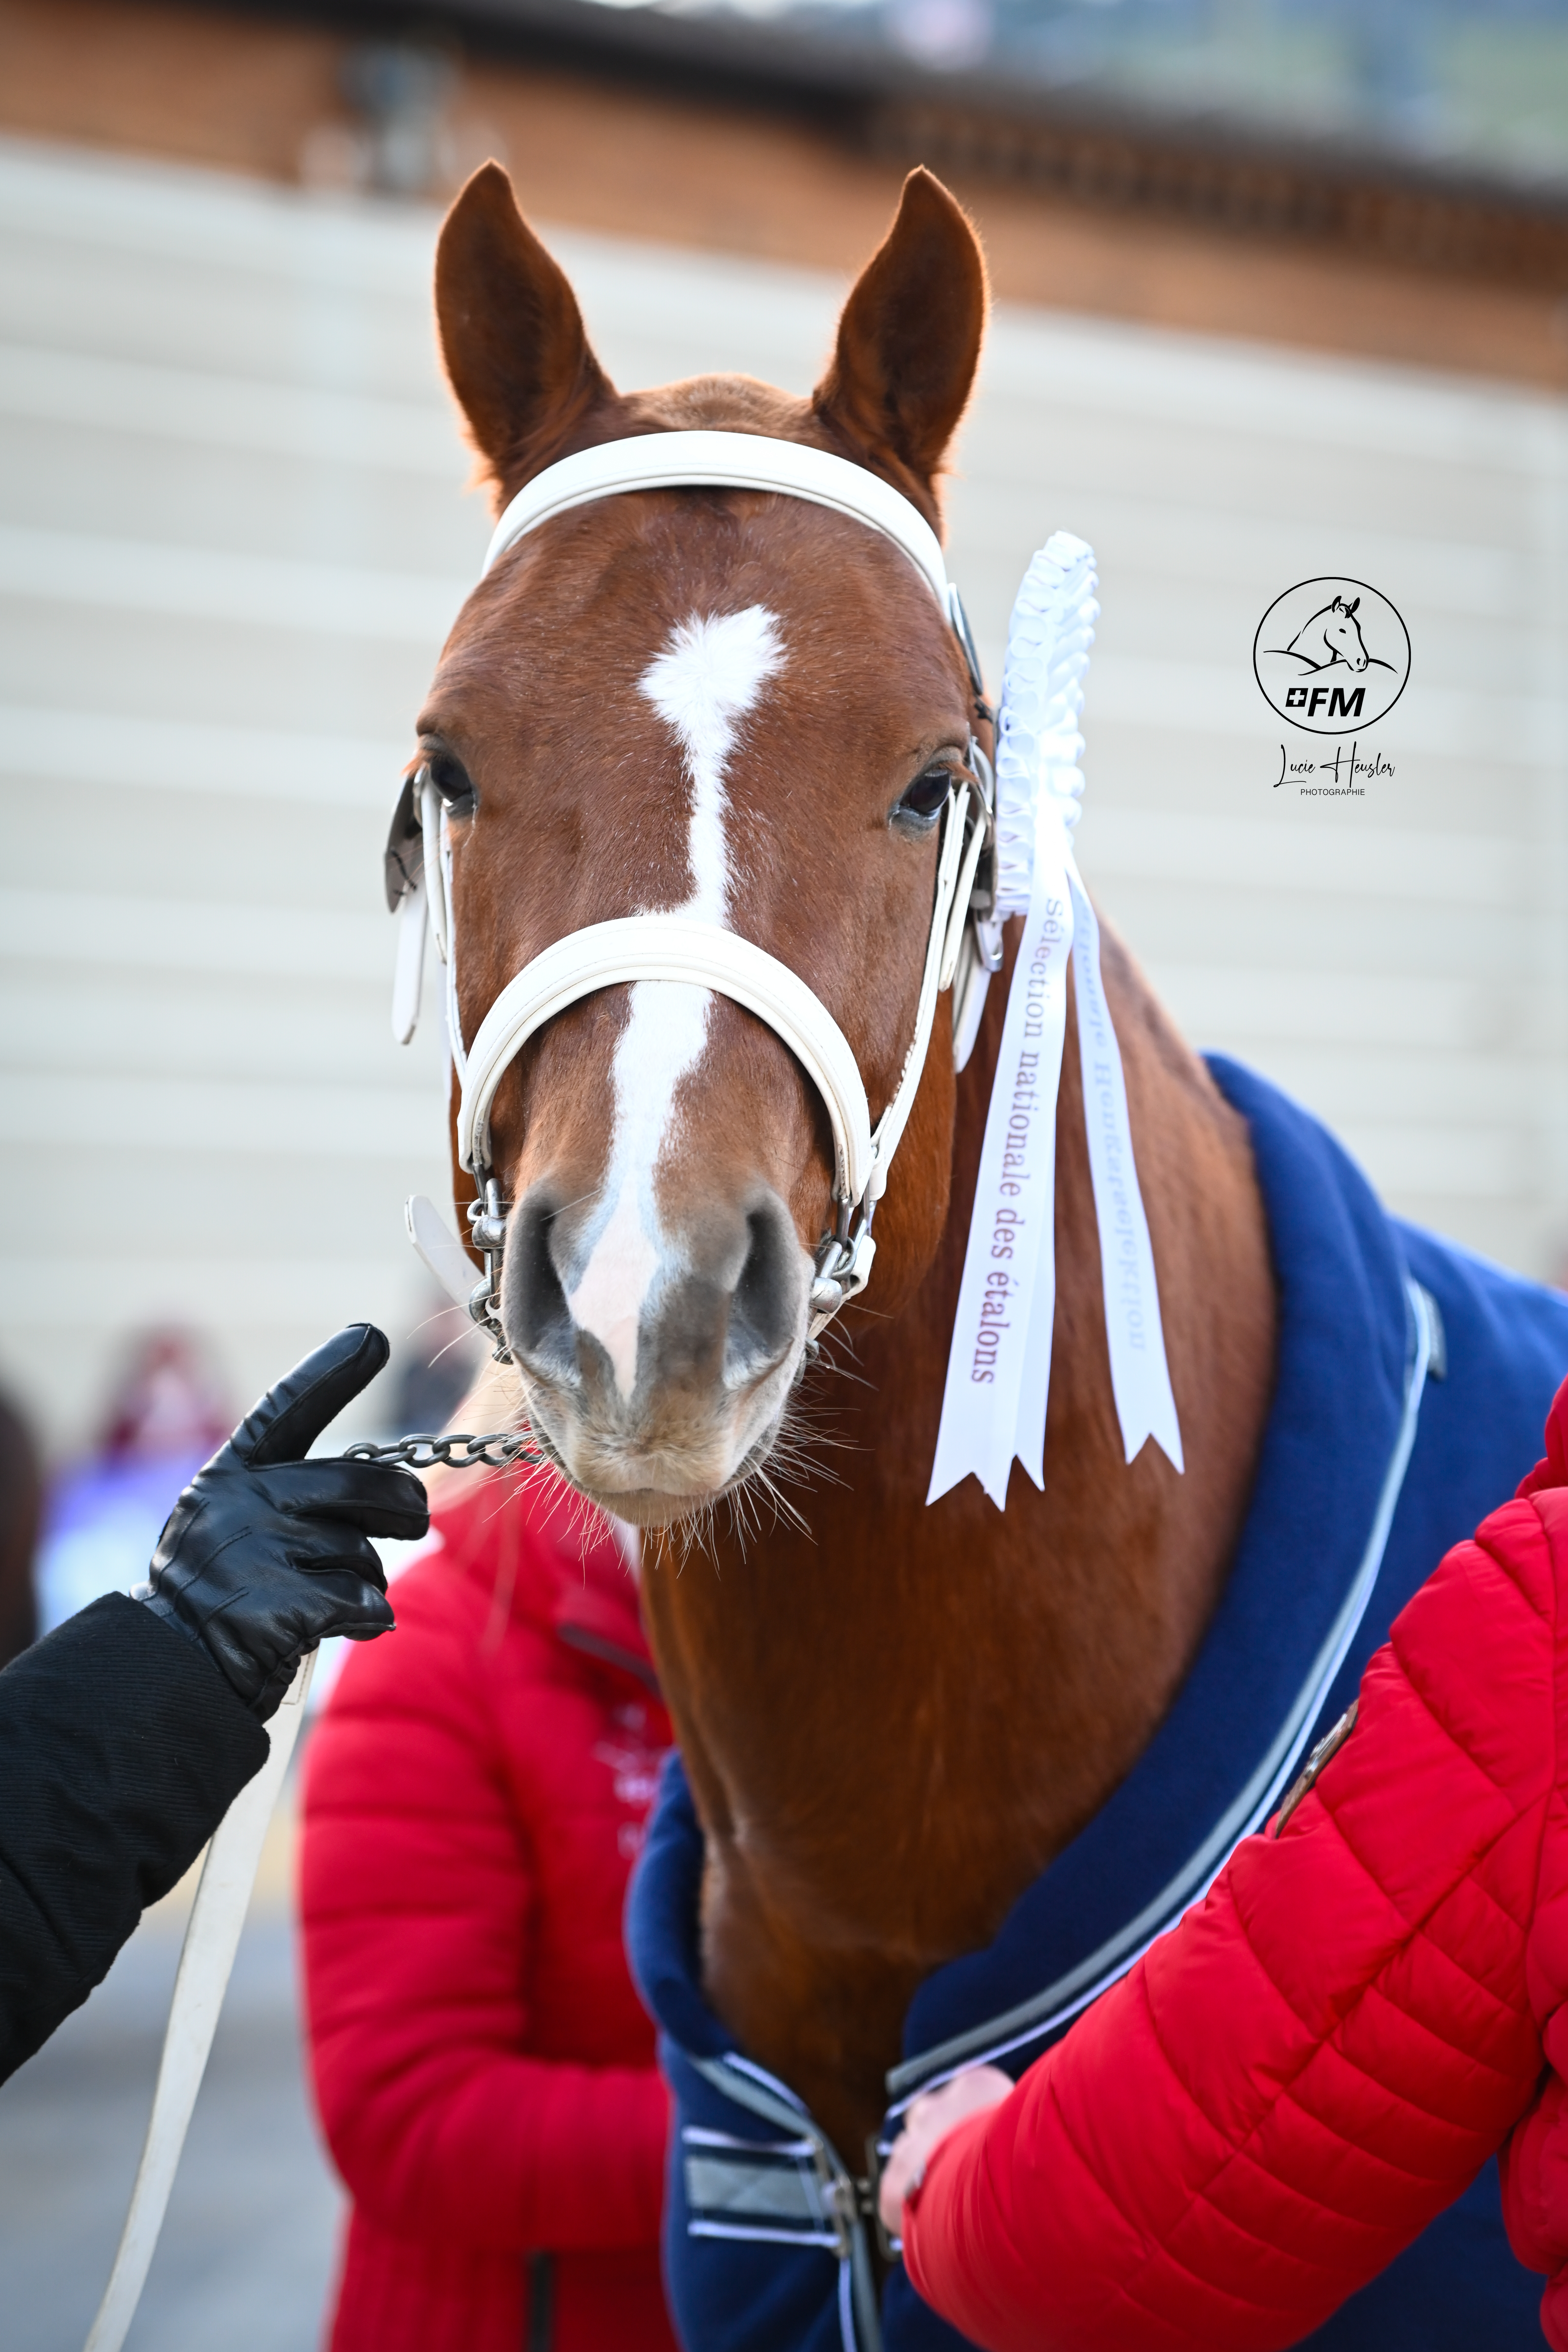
1285, 2090
475, 1795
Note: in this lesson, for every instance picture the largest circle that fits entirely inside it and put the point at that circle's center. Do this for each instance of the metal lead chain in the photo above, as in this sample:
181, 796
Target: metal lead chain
496, 1452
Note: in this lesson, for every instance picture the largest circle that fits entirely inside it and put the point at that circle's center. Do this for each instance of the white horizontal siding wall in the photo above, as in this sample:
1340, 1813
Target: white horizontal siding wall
1396, 961
232, 535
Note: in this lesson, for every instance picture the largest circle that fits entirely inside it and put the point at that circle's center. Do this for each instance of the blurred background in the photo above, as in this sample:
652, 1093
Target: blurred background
1282, 291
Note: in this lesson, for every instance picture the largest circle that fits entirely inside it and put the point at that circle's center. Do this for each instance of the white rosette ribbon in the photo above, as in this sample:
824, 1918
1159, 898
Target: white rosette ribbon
999, 1373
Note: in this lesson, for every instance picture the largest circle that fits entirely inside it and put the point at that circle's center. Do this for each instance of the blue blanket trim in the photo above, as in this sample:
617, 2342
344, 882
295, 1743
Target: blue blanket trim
1340, 1263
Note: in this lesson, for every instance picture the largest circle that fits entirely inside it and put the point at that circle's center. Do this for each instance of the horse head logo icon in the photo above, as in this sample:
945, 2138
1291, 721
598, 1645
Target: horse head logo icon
1332, 656
1332, 636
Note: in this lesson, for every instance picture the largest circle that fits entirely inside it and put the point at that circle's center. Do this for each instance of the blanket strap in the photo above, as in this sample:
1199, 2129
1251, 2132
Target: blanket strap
760, 2203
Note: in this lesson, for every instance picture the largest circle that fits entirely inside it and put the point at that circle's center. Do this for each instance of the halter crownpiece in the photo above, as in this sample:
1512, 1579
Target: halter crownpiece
724, 461
995, 859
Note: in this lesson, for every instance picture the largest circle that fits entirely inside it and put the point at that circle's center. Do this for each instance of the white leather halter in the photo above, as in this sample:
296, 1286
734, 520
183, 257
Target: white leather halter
725, 461
669, 947
672, 947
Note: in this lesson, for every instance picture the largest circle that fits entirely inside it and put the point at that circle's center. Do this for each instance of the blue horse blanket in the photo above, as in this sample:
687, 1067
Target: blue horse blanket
1413, 1383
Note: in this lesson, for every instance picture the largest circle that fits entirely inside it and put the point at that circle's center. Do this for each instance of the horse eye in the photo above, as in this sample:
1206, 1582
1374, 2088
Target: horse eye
452, 780
927, 796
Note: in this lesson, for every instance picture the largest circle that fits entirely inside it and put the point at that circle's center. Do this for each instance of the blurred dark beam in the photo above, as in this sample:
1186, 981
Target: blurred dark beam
724, 138
1217, 172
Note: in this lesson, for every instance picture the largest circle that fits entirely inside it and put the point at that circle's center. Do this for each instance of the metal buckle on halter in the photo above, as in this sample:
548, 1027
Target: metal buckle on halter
843, 1264
486, 1231
986, 922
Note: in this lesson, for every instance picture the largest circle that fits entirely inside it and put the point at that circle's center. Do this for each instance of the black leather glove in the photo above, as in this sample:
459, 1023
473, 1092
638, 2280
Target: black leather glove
265, 1554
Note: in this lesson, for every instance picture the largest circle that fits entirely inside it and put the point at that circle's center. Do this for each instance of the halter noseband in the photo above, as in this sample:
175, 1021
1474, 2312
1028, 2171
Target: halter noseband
963, 945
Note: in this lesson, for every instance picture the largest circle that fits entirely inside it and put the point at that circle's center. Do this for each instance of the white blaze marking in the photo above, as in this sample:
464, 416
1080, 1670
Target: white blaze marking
707, 677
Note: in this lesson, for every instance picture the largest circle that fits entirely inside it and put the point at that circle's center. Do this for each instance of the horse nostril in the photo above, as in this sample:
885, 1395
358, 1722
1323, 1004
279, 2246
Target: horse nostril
537, 1318
765, 1305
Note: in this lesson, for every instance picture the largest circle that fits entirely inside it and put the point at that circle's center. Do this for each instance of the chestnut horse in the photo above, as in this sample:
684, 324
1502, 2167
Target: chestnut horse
749, 708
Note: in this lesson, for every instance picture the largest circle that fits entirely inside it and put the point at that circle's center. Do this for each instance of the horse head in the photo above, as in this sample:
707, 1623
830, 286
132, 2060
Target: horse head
1342, 633
741, 707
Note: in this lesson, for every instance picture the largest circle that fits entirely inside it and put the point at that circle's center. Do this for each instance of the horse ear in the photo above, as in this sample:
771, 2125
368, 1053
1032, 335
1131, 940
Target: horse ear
512, 339
908, 340
1354, 608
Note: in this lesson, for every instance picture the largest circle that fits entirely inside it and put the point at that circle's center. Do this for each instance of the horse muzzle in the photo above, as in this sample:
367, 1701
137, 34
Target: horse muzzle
655, 1371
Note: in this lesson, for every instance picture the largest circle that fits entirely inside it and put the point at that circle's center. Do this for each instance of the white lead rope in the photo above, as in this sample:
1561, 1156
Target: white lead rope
206, 1958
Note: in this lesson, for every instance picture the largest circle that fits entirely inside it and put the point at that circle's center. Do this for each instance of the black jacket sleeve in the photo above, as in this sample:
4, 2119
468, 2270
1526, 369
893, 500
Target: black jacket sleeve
122, 1748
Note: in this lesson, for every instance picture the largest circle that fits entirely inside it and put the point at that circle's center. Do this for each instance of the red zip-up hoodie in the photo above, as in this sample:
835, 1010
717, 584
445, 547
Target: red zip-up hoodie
474, 1797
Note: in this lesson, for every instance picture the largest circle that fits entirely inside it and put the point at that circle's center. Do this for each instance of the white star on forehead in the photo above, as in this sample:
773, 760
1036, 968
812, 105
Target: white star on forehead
710, 673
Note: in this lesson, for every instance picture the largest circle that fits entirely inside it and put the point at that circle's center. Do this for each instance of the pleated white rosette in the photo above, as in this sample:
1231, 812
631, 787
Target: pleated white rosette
999, 1373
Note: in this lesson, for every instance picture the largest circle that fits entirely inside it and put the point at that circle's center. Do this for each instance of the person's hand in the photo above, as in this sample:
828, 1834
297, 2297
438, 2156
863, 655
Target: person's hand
266, 1554
927, 2125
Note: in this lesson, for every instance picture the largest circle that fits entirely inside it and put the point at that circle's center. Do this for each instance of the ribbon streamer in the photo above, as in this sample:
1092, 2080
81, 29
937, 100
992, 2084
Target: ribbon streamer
999, 1373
